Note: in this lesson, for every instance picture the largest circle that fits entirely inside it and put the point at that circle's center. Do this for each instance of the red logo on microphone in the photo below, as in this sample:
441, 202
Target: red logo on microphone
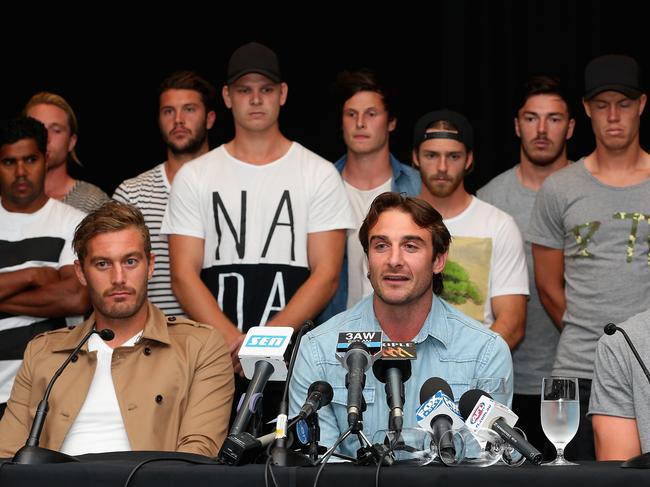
478, 412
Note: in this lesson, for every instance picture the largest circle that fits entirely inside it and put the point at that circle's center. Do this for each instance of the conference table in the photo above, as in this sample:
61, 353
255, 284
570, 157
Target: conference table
174, 469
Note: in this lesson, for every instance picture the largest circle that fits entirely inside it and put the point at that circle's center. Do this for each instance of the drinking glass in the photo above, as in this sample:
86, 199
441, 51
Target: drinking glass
560, 414
414, 446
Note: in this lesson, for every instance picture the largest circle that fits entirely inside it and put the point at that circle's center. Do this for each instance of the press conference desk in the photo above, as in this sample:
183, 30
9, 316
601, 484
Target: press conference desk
113, 469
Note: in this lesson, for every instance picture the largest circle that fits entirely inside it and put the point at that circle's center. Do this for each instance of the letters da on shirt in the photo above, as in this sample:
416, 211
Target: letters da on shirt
259, 260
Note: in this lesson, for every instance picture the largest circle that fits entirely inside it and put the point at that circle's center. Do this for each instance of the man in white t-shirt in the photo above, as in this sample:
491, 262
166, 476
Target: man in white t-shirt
38, 287
486, 275
256, 226
185, 115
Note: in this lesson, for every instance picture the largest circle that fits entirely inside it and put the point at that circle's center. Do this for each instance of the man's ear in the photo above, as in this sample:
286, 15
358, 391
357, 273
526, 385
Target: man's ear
78, 269
439, 262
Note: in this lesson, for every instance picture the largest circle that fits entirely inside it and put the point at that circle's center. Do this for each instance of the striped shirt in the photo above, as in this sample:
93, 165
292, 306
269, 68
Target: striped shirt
149, 192
39, 239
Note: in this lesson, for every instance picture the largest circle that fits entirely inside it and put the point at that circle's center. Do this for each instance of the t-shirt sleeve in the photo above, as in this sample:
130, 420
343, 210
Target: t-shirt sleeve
611, 390
546, 227
183, 212
121, 194
67, 255
329, 206
509, 274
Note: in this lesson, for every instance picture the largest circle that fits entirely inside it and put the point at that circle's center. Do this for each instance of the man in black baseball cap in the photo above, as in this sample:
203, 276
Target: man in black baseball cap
266, 216
487, 251
588, 212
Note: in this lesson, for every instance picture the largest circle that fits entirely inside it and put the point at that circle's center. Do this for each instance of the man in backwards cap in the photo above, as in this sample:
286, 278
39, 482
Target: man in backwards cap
256, 226
486, 275
585, 226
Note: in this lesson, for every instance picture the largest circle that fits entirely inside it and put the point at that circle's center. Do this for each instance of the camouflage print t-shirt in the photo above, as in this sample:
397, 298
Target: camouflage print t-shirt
603, 231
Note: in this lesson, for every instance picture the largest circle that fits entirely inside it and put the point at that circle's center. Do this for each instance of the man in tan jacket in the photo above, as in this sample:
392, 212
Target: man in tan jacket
159, 384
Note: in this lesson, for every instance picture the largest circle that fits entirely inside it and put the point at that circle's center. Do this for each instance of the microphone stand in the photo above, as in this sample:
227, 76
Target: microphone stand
31, 453
314, 436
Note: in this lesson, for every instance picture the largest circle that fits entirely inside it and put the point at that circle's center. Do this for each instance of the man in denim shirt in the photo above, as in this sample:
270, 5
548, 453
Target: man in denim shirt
368, 169
407, 244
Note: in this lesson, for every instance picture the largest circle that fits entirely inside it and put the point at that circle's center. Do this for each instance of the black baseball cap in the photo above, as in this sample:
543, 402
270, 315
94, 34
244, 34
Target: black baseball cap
465, 132
253, 58
613, 72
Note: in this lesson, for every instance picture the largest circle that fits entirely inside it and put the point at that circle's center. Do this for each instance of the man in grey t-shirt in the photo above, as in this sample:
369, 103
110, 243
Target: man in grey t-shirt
589, 230
620, 393
543, 123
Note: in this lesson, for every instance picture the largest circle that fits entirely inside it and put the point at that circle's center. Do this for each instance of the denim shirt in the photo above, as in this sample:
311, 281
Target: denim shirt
405, 180
449, 345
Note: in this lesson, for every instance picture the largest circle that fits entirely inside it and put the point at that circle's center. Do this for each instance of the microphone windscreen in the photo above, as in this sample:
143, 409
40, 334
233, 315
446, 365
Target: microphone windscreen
106, 334
610, 328
469, 400
325, 389
380, 367
433, 385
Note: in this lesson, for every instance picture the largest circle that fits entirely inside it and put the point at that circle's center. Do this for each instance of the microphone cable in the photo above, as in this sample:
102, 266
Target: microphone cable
326, 458
162, 459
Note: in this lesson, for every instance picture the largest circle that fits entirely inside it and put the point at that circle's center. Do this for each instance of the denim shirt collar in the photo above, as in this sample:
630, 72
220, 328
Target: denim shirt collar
395, 165
435, 325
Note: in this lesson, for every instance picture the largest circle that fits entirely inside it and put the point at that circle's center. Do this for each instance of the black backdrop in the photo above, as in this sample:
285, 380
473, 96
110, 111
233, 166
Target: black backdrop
107, 61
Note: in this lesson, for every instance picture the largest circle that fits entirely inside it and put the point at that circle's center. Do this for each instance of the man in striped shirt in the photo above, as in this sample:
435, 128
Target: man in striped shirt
38, 285
185, 116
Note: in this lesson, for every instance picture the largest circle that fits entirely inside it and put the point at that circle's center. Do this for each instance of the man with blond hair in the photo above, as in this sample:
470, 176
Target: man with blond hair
56, 114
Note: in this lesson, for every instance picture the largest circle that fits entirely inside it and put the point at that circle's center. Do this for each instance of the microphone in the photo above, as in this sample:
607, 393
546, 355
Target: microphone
438, 413
31, 453
611, 328
481, 411
262, 359
393, 373
280, 454
320, 394
357, 360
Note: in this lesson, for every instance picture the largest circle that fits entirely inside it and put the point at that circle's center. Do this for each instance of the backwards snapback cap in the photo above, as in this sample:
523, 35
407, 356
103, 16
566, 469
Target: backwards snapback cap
465, 132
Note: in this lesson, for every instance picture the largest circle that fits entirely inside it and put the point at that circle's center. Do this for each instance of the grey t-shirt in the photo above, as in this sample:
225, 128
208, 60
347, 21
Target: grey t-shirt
533, 357
603, 231
620, 387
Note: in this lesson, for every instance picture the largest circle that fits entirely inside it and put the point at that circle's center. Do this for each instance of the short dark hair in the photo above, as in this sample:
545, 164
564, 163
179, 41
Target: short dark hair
190, 80
349, 83
424, 216
112, 216
542, 85
20, 128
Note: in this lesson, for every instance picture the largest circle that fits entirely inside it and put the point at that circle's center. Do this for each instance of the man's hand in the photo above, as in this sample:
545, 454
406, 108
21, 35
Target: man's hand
234, 340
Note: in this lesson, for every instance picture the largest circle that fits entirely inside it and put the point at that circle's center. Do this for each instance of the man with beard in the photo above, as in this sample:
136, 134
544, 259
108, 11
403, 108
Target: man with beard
59, 119
185, 116
406, 243
38, 288
589, 233
159, 384
486, 275
543, 123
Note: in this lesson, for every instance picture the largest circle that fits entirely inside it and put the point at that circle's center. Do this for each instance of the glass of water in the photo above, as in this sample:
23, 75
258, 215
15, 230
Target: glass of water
560, 413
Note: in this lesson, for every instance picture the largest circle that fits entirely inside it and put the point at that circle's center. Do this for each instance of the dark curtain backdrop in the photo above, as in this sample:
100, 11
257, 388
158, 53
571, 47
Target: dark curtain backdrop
470, 56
